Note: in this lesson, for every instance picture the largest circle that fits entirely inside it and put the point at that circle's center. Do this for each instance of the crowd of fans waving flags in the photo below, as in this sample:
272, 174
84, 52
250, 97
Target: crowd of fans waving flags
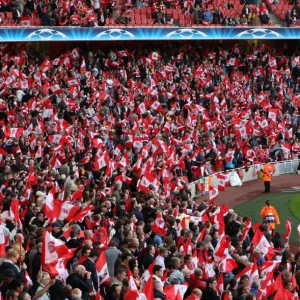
145, 124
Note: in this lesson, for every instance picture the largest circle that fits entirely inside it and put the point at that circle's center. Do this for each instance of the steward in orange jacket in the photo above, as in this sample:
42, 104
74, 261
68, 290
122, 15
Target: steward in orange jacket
268, 170
270, 215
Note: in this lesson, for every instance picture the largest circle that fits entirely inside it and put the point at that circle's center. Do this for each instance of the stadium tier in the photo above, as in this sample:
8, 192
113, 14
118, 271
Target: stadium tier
141, 13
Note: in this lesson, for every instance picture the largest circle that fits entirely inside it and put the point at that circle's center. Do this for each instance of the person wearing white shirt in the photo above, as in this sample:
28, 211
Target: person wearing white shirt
158, 274
160, 259
96, 4
45, 282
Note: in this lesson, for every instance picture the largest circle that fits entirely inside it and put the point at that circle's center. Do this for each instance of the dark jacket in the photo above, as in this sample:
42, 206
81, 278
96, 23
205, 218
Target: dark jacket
8, 265
159, 295
36, 266
210, 294
147, 260
74, 243
85, 285
90, 267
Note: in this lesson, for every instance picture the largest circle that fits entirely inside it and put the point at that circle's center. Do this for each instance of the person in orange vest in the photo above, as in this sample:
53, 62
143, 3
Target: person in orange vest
270, 215
267, 176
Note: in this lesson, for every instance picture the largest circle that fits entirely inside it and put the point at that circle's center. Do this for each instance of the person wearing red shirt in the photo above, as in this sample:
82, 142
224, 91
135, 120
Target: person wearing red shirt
196, 281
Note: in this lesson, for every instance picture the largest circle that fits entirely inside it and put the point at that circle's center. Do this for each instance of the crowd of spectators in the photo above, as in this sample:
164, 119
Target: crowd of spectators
92, 13
110, 139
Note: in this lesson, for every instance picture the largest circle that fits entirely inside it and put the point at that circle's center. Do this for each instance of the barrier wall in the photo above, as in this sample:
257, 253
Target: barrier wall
281, 168
15, 34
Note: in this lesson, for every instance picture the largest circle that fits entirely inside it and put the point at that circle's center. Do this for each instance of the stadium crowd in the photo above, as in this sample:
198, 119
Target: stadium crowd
92, 13
97, 150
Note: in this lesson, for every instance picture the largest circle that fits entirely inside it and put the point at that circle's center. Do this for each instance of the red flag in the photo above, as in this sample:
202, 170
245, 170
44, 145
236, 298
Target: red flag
2, 240
283, 294
101, 267
13, 132
220, 284
213, 194
221, 182
247, 270
148, 289
260, 242
245, 230
53, 249
77, 195
175, 291
288, 229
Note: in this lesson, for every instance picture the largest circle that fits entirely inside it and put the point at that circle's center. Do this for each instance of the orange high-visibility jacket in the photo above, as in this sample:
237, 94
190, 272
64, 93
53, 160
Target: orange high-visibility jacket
269, 214
267, 172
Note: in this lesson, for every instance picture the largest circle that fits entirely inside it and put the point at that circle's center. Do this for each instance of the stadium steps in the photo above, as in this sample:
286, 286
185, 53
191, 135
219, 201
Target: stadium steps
275, 20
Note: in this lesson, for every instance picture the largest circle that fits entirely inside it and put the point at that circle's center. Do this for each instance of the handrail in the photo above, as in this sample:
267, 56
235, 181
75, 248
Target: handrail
290, 166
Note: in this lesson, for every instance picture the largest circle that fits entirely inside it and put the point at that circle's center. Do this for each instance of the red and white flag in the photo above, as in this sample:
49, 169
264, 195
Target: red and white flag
260, 242
288, 229
220, 285
154, 56
254, 274
272, 62
25, 196
13, 132
101, 267
131, 282
75, 53
146, 181
232, 62
172, 290
212, 194
51, 207
13, 213
272, 115
53, 249
246, 271
245, 230
159, 224
2, 240
221, 182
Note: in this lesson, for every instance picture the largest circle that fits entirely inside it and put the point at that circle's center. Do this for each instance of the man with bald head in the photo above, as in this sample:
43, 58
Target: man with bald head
19, 240
81, 280
196, 295
76, 294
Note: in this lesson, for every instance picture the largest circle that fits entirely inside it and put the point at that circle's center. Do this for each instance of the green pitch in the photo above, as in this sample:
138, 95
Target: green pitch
286, 204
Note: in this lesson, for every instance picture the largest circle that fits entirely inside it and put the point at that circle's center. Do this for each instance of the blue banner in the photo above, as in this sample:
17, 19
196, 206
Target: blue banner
153, 33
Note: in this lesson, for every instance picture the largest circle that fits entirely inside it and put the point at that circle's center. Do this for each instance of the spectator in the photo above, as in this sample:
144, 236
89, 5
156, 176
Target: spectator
210, 290
45, 282
81, 279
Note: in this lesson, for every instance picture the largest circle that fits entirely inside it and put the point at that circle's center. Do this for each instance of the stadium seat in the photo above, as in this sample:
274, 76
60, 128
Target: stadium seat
37, 21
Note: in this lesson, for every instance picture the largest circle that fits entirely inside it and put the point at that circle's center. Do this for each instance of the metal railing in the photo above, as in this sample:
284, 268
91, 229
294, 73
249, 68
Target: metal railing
250, 173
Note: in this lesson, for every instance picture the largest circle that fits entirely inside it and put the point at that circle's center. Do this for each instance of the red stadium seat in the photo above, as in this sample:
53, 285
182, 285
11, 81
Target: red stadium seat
149, 21
169, 12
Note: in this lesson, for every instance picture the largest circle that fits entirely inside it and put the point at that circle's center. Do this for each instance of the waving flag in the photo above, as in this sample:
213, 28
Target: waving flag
260, 242
213, 194
101, 267
288, 229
